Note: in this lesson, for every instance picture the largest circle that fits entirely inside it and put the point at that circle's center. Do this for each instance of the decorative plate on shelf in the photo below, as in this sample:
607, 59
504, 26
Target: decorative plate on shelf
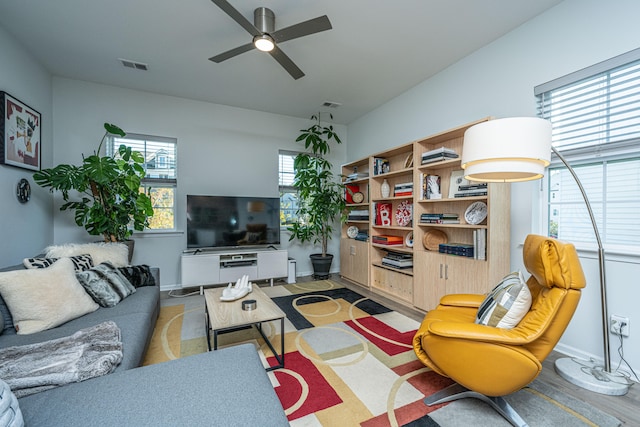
408, 239
432, 239
404, 213
476, 213
352, 232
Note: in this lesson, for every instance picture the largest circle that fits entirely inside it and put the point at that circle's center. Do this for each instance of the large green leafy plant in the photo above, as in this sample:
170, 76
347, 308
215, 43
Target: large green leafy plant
111, 204
320, 194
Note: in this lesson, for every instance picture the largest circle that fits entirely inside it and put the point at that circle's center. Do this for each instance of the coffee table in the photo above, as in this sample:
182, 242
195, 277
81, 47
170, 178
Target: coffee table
228, 316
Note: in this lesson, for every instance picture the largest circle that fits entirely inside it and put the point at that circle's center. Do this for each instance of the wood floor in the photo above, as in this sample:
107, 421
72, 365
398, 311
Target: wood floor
626, 408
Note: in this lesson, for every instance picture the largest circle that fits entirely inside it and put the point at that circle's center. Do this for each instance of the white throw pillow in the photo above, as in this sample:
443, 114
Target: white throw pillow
44, 298
506, 304
115, 253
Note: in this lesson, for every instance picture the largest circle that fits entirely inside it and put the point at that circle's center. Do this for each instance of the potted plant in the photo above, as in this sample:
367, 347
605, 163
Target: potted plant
320, 194
111, 204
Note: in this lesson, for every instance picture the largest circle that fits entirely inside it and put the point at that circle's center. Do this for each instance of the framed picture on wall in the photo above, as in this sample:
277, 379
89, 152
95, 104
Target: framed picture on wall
20, 125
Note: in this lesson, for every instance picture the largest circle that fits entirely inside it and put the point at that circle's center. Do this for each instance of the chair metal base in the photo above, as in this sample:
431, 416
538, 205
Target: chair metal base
456, 391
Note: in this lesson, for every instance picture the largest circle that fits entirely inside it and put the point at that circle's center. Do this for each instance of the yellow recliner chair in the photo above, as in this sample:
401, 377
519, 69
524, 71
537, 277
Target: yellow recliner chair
488, 362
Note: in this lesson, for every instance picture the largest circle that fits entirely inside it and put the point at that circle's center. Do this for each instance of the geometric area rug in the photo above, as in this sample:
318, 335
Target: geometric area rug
349, 361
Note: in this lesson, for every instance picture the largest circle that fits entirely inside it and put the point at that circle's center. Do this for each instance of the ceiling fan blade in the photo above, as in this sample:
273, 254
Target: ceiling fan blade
286, 63
302, 29
237, 16
231, 53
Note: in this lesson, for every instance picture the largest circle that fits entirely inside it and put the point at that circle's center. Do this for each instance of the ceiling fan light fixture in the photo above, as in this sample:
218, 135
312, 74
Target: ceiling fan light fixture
264, 43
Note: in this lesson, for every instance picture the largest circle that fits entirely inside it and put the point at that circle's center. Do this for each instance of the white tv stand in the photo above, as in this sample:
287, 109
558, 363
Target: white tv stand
210, 267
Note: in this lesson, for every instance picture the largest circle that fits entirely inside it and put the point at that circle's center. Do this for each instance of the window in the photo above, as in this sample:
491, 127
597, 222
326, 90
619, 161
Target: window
161, 177
288, 193
595, 114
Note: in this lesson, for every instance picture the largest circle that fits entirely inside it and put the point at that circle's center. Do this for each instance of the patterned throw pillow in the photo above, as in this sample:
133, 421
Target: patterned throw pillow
138, 275
506, 304
80, 262
106, 284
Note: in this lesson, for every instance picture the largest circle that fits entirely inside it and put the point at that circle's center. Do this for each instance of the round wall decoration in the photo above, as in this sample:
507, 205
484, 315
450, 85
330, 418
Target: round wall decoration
432, 239
23, 190
476, 213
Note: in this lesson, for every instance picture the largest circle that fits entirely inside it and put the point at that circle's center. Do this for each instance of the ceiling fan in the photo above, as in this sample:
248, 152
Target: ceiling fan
266, 39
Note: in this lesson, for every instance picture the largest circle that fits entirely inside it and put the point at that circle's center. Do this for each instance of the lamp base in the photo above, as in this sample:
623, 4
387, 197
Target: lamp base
588, 375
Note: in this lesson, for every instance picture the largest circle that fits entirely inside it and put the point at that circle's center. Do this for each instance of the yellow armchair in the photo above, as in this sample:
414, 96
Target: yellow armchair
488, 362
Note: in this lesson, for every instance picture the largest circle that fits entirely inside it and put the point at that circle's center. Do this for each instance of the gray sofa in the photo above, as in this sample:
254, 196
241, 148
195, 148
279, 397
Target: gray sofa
225, 387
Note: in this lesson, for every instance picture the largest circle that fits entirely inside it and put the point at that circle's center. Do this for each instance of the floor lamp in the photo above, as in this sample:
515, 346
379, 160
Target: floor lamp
519, 149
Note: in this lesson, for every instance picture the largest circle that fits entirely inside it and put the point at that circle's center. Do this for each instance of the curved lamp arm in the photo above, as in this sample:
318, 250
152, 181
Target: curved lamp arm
603, 283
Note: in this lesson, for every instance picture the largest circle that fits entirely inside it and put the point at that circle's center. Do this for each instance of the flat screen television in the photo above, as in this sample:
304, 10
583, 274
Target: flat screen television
232, 222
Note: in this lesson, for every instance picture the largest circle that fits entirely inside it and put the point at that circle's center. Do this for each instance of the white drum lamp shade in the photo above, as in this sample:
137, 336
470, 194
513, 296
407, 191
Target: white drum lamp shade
507, 150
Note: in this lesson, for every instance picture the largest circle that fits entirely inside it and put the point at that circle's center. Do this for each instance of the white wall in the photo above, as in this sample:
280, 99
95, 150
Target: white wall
221, 151
25, 229
498, 81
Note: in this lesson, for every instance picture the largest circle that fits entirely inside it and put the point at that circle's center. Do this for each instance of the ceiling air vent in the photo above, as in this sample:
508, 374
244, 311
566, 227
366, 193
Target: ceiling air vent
133, 64
331, 104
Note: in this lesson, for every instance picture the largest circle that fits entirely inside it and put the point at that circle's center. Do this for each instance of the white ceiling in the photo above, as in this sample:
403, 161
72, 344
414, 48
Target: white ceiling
376, 50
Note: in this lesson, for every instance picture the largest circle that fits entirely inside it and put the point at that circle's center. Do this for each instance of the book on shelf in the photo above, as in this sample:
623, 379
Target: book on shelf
439, 153
362, 236
459, 186
380, 165
439, 216
358, 215
356, 176
398, 255
383, 213
480, 243
407, 263
475, 186
440, 221
460, 249
388, 240
470, 194
403, 189
440, 158
403, 185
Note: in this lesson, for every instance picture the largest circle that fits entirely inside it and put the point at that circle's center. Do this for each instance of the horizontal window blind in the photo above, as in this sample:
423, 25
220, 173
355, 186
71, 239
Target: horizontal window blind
595, 117
160, 156
596, 109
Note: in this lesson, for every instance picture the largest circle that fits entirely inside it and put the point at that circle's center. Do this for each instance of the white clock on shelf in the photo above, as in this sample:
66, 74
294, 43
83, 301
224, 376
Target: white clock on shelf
357, 197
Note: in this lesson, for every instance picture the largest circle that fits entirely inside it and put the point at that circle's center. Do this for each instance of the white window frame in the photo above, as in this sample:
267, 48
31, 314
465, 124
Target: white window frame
603, 146
149, 182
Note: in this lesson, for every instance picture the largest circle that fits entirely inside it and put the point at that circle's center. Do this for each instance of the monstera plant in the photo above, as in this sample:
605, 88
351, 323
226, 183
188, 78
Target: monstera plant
320, 193
104, 191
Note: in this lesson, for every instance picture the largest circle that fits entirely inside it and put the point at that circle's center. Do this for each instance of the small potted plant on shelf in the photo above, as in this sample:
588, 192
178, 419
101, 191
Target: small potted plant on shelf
110, 203
320, 193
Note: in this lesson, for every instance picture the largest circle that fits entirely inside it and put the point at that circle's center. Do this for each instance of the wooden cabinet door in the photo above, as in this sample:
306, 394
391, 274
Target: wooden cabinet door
428, 279
354, 261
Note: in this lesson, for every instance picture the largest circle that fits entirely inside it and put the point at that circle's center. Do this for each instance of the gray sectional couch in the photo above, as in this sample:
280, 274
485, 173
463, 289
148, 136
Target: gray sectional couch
226, 387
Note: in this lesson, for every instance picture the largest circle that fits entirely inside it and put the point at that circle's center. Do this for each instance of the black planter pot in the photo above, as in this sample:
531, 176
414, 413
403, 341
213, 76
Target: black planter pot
321, 265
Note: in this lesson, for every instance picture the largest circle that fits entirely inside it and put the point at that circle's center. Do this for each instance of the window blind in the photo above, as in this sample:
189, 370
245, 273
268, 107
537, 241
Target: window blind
160, 154
595, 117
595, 106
